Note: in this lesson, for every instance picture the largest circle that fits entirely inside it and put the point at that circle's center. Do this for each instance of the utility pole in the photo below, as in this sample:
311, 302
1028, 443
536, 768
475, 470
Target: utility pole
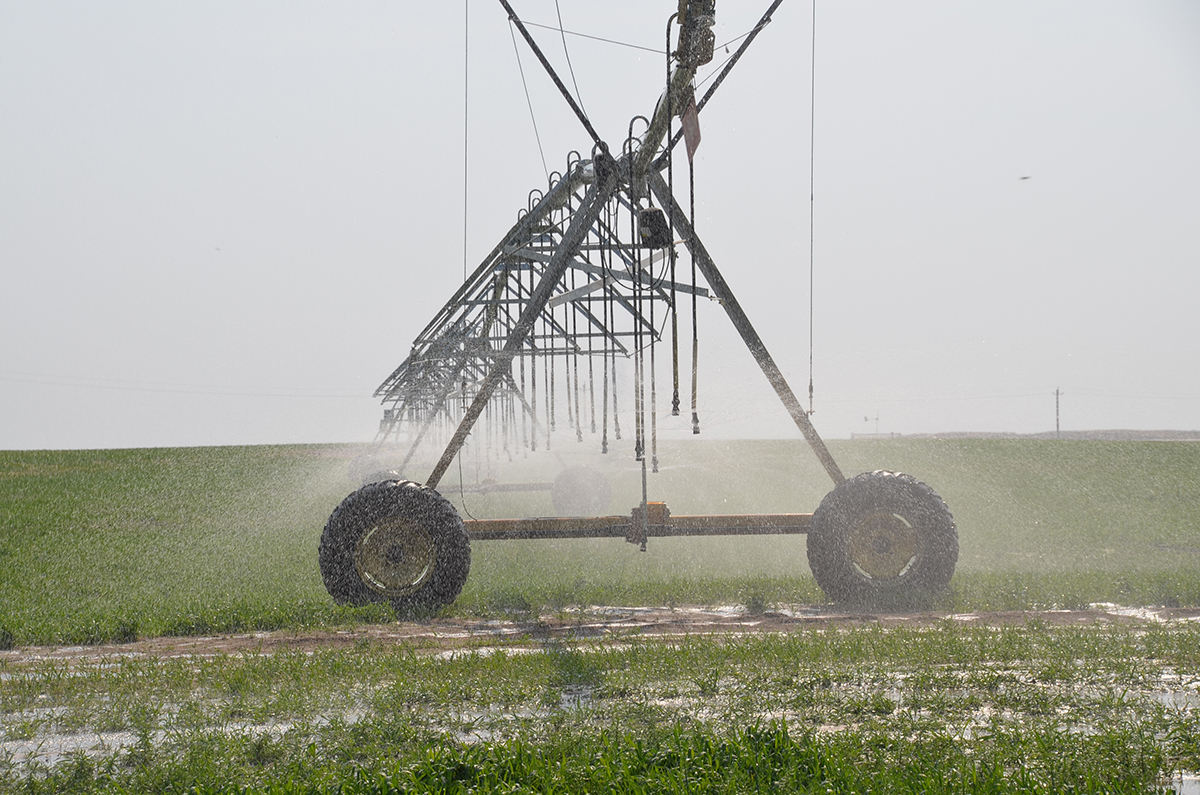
1057, 428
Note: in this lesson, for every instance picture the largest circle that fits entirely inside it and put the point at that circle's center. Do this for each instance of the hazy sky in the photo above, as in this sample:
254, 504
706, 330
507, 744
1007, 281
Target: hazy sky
224, 222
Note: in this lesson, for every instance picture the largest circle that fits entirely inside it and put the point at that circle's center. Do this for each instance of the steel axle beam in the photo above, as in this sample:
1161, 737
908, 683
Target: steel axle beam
661, 525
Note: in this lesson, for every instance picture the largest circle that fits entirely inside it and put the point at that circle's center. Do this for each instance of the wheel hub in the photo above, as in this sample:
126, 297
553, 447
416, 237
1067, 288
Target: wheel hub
395, 558
883, 545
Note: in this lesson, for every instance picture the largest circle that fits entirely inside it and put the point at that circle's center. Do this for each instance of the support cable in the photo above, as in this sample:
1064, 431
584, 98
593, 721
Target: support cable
812, 201
529, 101
562, 34
466, 127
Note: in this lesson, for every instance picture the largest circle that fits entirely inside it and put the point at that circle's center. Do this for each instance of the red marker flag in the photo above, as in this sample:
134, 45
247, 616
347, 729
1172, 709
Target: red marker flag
691, 128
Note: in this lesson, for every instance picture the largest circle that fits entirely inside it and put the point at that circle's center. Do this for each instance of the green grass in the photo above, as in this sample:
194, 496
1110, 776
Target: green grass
112, 545
763, 758
100, 545
951, 708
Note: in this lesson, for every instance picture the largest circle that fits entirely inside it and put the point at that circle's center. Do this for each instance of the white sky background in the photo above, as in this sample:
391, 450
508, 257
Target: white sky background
224, 222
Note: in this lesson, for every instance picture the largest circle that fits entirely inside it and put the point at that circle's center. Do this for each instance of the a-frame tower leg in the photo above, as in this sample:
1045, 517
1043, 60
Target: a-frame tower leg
741, 322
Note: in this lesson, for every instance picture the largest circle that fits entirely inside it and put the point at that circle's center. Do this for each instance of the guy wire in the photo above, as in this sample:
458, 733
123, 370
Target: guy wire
562, 33
528, 100
466, 127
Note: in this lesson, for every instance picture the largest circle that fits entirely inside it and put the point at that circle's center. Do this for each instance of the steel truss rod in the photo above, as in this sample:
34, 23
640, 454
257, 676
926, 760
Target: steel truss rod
616, 276
518, 236
645, 279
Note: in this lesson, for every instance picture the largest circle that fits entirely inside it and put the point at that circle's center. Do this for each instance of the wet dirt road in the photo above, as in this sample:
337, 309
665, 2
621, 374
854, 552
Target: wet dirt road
595, 624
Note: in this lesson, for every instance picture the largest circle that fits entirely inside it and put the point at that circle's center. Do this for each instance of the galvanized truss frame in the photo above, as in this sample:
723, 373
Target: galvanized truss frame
453, 354
533, 295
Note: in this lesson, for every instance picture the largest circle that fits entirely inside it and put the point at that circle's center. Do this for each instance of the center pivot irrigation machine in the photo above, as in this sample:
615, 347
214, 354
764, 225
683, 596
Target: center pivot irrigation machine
586, 277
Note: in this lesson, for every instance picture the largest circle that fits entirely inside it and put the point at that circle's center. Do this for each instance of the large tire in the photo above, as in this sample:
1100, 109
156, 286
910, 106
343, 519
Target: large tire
580, 491
395, 541
883, 539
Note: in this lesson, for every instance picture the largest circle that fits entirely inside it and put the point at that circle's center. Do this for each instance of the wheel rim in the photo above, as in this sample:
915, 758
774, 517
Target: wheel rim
882, 546
395, 558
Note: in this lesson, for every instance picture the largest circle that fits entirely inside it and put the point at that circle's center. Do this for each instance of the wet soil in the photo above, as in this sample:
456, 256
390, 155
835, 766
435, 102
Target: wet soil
600, 624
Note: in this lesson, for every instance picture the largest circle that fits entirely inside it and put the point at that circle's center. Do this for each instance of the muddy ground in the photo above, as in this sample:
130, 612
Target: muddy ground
597, 624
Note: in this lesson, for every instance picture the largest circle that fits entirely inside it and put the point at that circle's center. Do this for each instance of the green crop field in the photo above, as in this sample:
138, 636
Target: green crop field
118, 545
99, 545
